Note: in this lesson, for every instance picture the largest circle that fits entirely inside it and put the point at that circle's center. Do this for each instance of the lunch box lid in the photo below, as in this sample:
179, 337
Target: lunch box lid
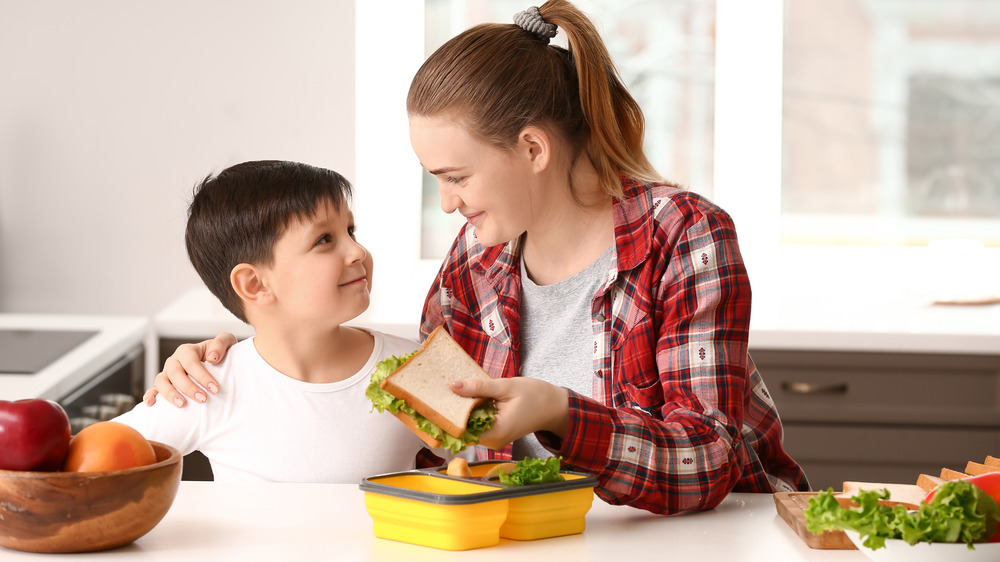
493, 489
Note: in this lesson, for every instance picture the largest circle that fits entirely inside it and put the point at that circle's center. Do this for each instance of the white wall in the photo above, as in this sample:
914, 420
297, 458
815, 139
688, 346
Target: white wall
110, 112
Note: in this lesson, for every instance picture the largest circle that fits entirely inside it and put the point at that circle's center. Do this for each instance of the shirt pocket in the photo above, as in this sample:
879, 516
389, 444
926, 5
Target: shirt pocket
638, 377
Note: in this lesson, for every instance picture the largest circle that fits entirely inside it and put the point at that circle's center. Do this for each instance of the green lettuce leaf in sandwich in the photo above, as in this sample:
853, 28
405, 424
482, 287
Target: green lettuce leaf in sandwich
415, 389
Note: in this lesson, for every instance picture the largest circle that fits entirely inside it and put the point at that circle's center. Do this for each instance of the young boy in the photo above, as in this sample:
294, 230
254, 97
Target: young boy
274, 242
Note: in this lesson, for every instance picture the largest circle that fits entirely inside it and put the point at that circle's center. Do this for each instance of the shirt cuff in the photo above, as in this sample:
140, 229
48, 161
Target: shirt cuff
588, 435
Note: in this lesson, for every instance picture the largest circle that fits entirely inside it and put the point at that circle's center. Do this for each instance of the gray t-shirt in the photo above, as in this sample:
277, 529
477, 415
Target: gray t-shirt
557, 337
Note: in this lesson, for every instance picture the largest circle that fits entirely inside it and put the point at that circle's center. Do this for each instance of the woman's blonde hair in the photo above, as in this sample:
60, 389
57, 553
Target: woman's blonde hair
498, 79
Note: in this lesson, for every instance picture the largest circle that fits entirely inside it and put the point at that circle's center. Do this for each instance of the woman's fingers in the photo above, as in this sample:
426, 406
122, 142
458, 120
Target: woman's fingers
175, 383
524, 405
184, 375
476, 388
217, 347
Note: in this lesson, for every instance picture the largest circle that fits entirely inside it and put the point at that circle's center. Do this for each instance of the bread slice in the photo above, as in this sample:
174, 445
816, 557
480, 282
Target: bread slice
992, 461
949, 474
422, 382
975, 468
928, 482
909, 494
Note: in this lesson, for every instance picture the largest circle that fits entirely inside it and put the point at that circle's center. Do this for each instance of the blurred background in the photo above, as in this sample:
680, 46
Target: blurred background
869, 125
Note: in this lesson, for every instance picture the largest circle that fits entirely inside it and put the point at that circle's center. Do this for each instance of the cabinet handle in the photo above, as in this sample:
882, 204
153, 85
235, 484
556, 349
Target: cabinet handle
810, 388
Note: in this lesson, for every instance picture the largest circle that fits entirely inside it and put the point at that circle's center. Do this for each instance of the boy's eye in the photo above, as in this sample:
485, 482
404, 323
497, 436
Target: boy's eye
324, 239
351, 230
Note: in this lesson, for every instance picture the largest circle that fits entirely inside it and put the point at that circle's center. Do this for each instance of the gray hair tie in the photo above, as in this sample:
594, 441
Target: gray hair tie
531, 20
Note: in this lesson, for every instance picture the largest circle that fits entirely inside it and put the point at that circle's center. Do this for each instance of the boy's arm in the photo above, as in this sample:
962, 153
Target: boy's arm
178, 427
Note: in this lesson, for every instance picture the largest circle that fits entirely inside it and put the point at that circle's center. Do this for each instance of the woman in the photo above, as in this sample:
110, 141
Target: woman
611, 307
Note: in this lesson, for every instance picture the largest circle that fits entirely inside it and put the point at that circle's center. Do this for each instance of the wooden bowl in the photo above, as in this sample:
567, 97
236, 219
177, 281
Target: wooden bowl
86, 511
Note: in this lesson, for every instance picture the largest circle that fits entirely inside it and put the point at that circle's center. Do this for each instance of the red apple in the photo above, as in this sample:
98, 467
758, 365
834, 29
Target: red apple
34, 435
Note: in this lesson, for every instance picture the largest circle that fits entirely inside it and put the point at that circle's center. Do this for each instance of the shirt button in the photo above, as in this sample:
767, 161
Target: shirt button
600, 318
600, 374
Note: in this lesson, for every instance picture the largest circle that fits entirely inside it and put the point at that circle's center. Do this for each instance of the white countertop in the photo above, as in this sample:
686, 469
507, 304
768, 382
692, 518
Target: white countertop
903, 323
785, 317
216, 521
115, 336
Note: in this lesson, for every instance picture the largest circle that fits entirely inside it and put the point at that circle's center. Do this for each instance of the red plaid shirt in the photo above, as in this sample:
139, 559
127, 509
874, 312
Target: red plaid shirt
679, 416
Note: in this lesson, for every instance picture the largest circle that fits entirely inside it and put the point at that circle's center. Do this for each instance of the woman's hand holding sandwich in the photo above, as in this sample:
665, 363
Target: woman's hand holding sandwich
524, 405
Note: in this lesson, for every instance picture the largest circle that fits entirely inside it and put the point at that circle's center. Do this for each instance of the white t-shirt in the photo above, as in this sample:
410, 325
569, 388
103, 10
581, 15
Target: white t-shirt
263, 426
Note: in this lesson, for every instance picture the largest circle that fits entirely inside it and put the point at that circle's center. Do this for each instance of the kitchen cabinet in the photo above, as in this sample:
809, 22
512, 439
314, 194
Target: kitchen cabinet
883, 417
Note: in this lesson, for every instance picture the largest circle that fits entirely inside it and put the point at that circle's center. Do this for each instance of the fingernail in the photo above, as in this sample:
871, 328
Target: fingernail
213, 388
456, 384
200, 396
213, 357
178, 400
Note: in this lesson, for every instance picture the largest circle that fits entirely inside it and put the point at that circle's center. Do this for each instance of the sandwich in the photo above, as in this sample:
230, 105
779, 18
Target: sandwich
415, 389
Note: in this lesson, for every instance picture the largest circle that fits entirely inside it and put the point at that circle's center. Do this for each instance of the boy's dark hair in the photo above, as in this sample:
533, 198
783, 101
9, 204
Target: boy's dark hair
238, 215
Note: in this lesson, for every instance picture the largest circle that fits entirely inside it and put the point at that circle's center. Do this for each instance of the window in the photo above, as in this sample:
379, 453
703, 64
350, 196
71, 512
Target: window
891, 121
838, 132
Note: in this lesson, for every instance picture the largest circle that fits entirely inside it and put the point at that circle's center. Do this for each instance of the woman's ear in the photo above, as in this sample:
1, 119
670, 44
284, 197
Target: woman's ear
534, 144
249, 284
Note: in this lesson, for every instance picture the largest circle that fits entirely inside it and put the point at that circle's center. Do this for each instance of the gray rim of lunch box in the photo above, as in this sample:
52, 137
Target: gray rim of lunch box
501, 492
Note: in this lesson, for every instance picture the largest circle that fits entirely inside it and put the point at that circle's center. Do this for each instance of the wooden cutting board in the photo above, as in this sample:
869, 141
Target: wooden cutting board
790, 506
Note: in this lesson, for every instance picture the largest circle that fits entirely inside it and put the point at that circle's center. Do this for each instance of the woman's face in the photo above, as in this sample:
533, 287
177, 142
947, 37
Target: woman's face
489, 186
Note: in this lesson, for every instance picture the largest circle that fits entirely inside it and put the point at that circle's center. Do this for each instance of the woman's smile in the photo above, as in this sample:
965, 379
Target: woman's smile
474, 218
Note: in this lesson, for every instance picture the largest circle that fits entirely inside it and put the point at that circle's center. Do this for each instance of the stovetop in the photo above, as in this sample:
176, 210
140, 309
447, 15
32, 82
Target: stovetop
26, 352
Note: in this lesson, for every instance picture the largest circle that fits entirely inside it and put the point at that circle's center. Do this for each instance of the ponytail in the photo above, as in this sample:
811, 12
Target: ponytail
498, 79
617, 126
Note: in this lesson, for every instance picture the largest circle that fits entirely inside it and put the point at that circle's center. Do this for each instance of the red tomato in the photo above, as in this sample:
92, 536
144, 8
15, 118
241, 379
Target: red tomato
989, 483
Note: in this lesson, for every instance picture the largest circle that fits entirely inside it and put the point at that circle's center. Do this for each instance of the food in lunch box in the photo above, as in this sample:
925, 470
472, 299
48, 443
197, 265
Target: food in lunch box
530, 471
958, 511
108, 445
459, 467
495, 470
415, 389
34, 435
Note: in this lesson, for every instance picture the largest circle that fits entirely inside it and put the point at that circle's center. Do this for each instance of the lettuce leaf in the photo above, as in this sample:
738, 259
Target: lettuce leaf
481, 418
959, 512
530, 471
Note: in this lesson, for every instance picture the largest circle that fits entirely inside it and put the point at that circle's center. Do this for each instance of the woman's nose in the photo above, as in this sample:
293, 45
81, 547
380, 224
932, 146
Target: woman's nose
450, 202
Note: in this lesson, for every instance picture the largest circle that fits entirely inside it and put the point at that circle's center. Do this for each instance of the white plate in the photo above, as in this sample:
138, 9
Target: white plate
896, 550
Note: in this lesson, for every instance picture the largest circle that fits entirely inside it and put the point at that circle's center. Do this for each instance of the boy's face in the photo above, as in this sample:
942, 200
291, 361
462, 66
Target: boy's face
320, 273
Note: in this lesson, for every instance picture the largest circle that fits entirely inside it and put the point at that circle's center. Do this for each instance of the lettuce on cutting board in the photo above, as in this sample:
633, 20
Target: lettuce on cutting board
959, 512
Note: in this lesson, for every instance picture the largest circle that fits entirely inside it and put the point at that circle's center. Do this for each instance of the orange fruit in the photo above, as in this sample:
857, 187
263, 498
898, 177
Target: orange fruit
108, 445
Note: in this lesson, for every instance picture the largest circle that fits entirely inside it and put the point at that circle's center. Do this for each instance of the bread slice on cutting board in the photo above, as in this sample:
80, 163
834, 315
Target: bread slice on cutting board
422, 382
902, 493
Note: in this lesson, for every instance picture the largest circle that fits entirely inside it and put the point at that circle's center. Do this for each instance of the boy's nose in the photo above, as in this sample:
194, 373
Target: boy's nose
357, 253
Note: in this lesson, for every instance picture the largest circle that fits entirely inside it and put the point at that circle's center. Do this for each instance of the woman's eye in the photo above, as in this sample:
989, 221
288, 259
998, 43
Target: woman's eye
452, 179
